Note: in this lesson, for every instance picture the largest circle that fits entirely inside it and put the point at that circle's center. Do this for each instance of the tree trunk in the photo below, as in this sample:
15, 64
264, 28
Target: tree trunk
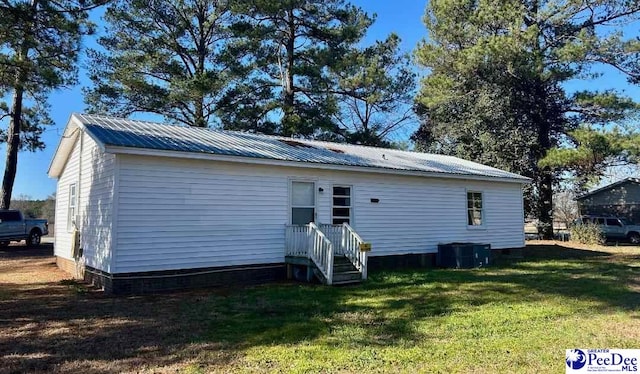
15, 123
201, 47
545, 205
544, 183
545, 180
13, 145
289, 93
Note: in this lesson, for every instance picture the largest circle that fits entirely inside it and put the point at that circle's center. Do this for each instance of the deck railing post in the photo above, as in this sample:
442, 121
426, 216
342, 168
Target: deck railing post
330, 267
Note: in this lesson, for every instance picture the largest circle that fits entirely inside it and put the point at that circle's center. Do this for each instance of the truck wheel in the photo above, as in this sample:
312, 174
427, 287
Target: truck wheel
634, 238
34, 238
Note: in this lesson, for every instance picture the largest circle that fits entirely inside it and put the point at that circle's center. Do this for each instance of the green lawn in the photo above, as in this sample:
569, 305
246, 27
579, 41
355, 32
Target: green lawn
519, 316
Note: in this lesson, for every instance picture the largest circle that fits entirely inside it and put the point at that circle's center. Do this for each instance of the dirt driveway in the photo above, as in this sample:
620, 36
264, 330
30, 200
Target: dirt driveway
50, 323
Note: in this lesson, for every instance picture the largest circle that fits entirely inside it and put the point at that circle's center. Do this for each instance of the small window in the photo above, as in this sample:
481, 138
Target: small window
586, 220
341, 211
71, 212
599, 221
613, 222
475, 216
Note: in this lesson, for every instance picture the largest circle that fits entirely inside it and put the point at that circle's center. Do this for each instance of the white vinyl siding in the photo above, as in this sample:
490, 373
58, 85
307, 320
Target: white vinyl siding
414, 214
93, 176
69, 176
179, 214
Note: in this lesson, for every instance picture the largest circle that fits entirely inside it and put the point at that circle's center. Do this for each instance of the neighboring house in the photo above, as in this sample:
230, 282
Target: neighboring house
159, 206
621, 199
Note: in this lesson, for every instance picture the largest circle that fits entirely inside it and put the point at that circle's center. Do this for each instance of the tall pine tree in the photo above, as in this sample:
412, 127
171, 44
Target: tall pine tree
375, 88
497, 68
166, 57
39, 46
292, 46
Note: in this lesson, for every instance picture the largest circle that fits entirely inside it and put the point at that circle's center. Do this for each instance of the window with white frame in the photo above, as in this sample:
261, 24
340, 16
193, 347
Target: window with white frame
303, 203
475, 214
341, 210
71, 212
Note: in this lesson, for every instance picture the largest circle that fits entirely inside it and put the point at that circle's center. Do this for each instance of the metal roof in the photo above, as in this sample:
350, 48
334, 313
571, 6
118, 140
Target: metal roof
118, 132
607, 187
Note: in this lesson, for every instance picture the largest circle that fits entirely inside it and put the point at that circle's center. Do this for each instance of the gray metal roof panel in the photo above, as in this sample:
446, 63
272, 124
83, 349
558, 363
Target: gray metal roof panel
150, 135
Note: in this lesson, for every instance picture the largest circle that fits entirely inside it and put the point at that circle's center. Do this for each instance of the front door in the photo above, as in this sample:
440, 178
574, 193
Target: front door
303, 202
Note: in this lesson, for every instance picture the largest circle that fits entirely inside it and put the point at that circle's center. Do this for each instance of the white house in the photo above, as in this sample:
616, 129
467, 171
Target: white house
159, 206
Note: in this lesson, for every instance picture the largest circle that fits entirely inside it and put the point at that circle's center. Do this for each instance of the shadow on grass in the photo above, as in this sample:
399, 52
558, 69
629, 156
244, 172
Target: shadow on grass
558, 252
64, 326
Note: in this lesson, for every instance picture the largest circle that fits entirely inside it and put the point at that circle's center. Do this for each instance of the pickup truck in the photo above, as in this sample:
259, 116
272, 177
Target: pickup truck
614, 228
14, 228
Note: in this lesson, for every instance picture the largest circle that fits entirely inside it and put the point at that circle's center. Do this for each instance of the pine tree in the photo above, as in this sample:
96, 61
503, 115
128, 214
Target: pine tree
375, 92
39, 46
293, 44
497, 68
166, 57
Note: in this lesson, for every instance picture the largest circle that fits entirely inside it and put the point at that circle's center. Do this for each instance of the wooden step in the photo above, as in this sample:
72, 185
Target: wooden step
353, 276
338, 268
341, 260
343, 272
344, 283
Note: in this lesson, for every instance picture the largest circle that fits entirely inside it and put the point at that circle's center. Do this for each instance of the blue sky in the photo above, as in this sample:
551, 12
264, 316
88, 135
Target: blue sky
404, 17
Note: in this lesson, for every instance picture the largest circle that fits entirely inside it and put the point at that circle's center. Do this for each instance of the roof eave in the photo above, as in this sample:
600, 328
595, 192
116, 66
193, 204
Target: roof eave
300, 164
65, 146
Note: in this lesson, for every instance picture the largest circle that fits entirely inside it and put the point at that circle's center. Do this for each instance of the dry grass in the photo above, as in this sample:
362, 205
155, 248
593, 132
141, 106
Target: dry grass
521, 313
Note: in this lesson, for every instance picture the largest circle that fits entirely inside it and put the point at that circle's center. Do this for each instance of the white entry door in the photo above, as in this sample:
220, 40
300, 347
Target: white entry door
303, 202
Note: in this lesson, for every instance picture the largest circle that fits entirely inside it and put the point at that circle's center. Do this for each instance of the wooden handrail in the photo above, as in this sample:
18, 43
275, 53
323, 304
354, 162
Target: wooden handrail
353, 232
351, 242
321, 252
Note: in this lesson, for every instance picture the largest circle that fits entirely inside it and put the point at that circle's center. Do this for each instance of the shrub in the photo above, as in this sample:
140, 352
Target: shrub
587, 233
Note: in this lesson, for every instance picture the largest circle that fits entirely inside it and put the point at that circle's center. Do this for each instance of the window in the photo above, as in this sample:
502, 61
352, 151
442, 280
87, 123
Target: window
613, 222
10, 216
303, 202
71, 212
599, 221
475, 216
341, 210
